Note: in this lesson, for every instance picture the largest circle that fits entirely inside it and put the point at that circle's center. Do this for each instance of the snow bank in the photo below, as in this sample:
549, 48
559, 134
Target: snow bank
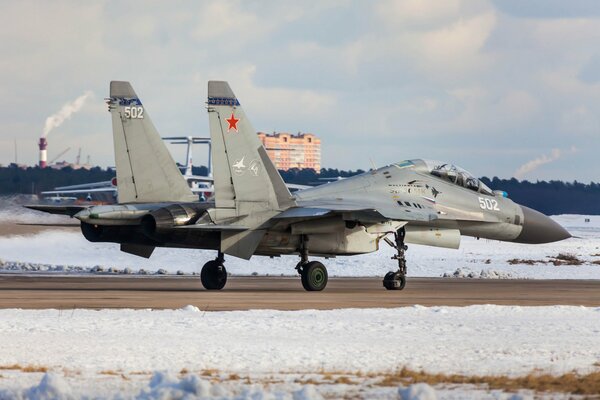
51, 387
483, 274
163, 385
419, 391
167, 386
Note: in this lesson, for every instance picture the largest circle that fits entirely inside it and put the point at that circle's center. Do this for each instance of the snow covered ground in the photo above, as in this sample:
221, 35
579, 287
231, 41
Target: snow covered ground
60, 248
97, 352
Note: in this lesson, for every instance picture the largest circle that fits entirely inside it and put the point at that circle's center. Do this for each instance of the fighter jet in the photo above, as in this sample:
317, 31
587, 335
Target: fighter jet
254, 214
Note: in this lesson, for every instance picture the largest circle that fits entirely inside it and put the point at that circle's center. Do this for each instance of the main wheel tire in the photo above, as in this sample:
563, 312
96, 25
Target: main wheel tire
394, 281
303, 278
213, 275
314, 276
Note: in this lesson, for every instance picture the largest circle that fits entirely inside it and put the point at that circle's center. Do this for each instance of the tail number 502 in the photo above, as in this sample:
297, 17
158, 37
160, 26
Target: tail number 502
488, 204
134, 112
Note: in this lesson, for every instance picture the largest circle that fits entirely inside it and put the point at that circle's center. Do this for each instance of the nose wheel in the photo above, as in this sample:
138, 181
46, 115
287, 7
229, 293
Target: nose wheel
394, 281
397, 280
214, 275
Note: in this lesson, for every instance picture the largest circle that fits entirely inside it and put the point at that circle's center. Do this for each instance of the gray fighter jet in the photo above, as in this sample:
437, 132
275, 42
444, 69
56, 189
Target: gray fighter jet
416, 201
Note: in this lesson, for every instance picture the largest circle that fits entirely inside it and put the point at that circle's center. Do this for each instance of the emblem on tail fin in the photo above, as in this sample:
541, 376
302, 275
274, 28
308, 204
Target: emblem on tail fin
254, 167
239, 167
232, 121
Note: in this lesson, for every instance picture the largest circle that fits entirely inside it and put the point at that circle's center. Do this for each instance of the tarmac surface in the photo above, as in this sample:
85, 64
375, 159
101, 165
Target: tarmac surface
11, 229
282, 293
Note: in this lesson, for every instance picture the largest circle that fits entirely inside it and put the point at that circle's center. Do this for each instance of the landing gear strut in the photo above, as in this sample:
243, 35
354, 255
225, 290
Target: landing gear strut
312, 273
397, 280
214, 274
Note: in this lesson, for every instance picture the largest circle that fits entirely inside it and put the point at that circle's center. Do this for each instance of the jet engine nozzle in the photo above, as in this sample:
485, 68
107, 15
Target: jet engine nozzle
159, 224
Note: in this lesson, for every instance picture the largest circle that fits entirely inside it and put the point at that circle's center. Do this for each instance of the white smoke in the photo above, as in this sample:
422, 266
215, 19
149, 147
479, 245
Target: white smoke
57, 119
534, 164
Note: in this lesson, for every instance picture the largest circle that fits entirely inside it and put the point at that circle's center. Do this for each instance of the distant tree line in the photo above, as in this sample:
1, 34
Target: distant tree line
34, 180
553, 197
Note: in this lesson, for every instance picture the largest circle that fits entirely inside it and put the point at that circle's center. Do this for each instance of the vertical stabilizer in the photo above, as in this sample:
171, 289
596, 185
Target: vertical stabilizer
245, 177
247, 184
146, 171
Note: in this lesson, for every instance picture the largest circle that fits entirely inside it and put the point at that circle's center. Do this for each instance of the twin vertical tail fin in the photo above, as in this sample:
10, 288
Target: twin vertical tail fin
248, 187
247, 184
245, 178
146, 172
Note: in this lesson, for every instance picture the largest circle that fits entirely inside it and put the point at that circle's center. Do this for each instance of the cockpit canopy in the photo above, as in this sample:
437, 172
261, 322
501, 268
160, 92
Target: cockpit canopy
453, 174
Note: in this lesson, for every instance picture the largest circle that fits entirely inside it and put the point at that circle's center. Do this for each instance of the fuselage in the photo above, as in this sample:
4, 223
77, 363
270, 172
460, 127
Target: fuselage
443, 202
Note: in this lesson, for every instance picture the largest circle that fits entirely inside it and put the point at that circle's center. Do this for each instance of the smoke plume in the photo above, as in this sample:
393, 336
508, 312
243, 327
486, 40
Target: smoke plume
57, 119
534, 164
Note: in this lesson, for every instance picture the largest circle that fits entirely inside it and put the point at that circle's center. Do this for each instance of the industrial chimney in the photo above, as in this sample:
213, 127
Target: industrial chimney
43, 152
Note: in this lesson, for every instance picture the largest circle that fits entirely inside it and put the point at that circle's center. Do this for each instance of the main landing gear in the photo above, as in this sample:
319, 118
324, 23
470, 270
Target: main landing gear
312, 273
214, 274
397, 280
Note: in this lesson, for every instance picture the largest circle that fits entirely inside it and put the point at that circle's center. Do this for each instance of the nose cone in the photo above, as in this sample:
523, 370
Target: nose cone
538, 228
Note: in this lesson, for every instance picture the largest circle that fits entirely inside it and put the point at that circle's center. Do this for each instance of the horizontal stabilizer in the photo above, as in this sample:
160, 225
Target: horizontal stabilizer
108, 189
241, 244
52, 225
61, 210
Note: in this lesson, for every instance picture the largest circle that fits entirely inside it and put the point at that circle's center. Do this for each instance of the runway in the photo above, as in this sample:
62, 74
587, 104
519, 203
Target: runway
282, 293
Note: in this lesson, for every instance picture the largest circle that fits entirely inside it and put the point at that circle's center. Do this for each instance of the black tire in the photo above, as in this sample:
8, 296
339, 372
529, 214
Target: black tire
213, 275
394, 281
314, 276
303, 278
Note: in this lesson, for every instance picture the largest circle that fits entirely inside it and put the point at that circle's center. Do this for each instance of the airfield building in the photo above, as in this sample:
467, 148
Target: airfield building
302, 150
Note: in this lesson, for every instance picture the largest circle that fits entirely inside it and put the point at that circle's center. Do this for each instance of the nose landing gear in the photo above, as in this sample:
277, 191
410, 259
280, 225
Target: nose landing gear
397, 280
214, 274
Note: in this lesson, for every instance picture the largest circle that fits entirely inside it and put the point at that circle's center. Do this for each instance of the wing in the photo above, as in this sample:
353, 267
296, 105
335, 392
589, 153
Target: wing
82, 191
61, 210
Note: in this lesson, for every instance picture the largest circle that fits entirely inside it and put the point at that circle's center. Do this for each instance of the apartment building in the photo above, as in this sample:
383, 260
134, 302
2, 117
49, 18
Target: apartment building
301, 150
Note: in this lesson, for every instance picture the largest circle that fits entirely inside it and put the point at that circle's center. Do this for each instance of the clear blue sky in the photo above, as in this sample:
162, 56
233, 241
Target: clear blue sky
501, 88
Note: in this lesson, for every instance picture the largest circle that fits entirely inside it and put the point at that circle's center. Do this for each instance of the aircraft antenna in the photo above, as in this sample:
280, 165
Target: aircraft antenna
373, 166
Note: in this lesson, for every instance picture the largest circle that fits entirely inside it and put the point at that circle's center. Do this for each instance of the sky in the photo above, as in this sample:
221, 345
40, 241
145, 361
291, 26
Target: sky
501, 88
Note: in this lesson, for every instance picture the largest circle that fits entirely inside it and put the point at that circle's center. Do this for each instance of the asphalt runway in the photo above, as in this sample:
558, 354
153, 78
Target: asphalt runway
282, 293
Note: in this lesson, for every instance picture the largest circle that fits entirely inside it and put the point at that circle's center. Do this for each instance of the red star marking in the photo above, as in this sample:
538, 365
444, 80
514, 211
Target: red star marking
232, 122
